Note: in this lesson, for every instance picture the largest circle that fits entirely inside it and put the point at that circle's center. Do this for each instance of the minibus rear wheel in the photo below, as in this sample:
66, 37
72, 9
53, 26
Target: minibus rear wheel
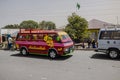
52, 54
23, 51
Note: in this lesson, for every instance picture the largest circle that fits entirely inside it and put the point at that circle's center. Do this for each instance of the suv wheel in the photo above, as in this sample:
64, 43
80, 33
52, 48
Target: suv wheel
113, 54
23, 51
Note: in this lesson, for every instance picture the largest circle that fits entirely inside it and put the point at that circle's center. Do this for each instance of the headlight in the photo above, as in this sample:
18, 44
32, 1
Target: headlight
73, 47
66, 50
17, 46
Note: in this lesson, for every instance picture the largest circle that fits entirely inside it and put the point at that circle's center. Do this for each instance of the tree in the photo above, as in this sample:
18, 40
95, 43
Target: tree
10, 26
77, 27
78, 6
47, 25
29, 24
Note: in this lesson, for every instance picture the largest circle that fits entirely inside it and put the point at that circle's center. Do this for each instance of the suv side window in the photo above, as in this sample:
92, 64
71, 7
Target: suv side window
105, 35
116, 35
111, 35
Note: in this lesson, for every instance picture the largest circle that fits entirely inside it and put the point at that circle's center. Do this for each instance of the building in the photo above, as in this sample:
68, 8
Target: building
5, 32
94, 26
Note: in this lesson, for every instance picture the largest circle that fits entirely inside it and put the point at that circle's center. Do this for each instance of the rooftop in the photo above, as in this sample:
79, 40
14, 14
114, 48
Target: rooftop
97, 24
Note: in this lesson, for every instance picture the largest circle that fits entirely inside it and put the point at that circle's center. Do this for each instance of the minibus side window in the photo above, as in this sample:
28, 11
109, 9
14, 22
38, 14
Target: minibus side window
40, 36
34, 37
58, 39
55, 37
23, 37
27, 37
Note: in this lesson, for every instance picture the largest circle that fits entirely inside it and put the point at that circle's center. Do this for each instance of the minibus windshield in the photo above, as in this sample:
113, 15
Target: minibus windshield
65, 38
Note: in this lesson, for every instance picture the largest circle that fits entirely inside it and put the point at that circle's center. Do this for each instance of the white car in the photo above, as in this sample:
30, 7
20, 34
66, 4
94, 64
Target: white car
109, 41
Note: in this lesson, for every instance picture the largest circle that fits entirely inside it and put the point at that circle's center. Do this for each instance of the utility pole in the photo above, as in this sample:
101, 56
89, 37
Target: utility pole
117, 20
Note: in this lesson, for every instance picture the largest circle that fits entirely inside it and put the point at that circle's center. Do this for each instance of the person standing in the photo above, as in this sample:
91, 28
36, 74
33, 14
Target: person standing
89, 43
93, 44
10, 41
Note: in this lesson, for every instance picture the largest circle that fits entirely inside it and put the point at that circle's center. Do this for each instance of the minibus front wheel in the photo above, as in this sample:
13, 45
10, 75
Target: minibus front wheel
52, 54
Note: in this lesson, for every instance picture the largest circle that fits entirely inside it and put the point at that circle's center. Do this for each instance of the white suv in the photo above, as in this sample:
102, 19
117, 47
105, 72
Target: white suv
109, 41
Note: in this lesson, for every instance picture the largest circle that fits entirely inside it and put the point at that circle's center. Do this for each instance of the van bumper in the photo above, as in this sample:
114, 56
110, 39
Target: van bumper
69, 51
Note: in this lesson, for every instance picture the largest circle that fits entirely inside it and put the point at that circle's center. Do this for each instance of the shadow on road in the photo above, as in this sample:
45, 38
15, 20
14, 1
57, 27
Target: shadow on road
103, 57
59, 58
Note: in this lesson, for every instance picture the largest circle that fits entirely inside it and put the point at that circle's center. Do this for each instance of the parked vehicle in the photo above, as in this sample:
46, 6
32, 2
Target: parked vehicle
46, 42
109, 41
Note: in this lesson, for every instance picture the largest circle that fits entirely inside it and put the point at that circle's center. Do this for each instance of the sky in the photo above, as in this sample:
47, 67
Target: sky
57, 11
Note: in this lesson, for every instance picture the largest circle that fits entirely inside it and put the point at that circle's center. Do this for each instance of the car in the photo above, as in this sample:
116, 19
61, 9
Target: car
109, 41
52, 43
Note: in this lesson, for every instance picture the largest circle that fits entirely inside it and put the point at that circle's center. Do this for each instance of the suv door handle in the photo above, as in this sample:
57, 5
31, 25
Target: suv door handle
114, 42
108, 42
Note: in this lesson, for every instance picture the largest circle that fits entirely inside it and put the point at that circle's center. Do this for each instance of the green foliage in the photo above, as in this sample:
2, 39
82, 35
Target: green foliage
78, 6
32, 24
77, 27
29, 24
12, 26
47, 25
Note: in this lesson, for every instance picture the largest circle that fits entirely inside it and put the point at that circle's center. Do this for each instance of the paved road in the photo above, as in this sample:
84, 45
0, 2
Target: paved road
83, 65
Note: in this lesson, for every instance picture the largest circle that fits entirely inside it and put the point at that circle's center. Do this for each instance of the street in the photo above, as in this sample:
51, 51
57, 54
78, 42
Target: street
82, 65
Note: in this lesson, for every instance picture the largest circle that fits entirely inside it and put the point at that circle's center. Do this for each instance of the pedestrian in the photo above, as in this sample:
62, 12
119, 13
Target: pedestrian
93, 44
10, 42
83, 45
89, 43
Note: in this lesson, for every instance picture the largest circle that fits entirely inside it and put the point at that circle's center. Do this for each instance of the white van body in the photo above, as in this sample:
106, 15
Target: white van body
109, 41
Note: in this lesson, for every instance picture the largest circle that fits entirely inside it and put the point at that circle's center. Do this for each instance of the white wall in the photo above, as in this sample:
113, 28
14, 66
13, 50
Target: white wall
8, 31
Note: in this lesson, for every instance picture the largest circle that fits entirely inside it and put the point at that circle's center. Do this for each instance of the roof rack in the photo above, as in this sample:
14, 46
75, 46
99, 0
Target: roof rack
35, 31
116, 27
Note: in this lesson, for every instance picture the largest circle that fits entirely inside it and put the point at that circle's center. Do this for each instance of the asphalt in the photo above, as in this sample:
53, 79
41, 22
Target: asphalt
81, 65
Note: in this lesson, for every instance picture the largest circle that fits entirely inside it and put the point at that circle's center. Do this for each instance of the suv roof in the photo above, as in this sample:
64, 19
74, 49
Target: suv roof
111, 28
